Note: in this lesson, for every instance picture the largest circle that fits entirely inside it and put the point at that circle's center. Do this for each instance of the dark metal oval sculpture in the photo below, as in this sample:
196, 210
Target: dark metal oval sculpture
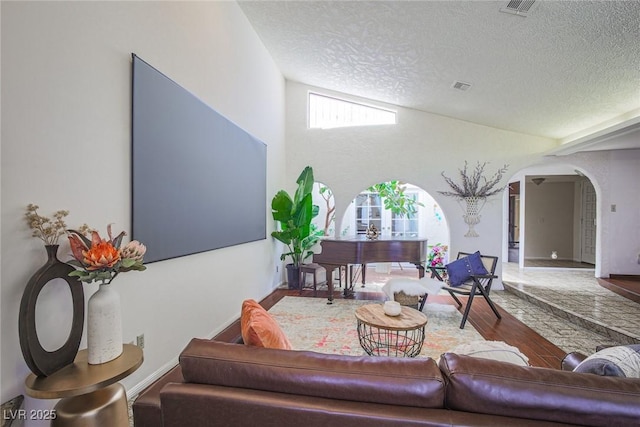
40, 361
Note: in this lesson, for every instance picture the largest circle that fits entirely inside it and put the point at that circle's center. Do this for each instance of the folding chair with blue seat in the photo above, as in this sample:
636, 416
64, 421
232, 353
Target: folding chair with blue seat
471, 274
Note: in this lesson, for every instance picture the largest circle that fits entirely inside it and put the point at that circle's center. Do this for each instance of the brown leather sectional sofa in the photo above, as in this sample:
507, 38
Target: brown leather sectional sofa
223, 384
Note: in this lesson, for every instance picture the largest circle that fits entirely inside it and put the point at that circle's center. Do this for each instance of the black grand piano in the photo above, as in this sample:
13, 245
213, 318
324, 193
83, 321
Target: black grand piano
338, 253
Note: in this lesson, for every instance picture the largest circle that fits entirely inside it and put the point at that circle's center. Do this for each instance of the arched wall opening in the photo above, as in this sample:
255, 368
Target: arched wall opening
552, 216
371, 206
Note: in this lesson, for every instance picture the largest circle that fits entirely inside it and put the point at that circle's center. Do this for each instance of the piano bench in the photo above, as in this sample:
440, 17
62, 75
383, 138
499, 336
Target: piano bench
317, 271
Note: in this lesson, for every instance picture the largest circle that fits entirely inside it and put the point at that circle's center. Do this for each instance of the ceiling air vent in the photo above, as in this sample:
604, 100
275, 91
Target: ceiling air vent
518, 7
461, 85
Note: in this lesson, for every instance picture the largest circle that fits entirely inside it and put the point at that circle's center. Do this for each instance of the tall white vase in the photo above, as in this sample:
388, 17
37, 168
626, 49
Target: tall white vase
104, 326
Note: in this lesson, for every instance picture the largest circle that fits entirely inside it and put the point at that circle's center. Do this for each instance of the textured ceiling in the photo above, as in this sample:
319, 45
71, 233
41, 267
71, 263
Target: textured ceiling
567, 66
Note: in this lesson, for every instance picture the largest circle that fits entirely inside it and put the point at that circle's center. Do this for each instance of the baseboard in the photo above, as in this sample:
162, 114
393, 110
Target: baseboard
136, 389
630, 277
547, 258
146, 382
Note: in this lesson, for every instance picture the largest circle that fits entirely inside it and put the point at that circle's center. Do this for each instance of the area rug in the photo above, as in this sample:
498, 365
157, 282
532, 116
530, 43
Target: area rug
311, 324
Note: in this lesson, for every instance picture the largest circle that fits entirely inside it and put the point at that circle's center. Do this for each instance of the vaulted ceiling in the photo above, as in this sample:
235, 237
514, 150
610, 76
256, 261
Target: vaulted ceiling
559, 69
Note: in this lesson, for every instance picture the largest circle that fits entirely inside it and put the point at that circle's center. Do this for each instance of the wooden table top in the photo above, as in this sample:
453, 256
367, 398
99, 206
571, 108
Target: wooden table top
374, 315
80, 377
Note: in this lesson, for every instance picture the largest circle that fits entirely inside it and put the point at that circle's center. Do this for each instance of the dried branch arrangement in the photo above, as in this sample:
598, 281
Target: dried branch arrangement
475, 185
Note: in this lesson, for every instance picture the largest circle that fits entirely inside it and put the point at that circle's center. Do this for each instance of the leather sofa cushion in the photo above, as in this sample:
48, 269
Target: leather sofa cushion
488, 386
392, 381
208, 405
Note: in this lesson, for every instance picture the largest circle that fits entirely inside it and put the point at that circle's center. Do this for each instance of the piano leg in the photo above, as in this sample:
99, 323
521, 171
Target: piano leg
348, 281
329, 269
420, 268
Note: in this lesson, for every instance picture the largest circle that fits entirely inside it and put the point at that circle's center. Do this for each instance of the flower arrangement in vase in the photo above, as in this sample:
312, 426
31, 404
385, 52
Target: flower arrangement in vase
41, 361
98, 259
44, 228
101, 260
437, 255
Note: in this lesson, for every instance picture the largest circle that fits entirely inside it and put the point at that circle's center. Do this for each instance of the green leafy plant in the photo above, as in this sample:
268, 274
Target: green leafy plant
294, 216
395, 198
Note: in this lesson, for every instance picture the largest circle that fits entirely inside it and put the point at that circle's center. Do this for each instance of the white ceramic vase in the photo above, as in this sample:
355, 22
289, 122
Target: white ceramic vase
104, 326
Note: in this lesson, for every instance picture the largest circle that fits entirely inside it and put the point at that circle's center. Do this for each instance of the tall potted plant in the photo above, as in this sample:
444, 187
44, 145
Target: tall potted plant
294, 217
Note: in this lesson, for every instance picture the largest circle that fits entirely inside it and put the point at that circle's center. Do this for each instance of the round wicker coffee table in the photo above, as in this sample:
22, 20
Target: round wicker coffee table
383, 335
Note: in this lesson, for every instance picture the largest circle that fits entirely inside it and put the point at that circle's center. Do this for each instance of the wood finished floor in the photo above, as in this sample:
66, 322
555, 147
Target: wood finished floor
626, 287
540, 351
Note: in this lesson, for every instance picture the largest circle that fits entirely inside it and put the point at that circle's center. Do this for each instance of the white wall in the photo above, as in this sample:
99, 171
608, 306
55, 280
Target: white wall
549, 219
624, 224
66, 84
416, 150
614, 175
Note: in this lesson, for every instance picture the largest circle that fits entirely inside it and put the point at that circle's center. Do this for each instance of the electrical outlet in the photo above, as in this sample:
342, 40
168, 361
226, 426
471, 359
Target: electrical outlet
140, 341
638, 258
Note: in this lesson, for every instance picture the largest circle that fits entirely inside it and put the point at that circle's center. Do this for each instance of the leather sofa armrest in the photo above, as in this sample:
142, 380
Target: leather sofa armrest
603, 346
571, 360
146, 407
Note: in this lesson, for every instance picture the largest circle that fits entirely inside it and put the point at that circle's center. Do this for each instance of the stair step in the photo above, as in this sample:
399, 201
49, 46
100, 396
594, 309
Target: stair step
616, 334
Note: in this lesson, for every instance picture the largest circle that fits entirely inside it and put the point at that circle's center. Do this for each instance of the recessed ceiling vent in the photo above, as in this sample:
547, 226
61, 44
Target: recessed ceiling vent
461, 85
518, 7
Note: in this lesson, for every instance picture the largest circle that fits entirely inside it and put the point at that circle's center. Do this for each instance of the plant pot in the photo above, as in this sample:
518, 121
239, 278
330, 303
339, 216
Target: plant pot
473, 207
293, 276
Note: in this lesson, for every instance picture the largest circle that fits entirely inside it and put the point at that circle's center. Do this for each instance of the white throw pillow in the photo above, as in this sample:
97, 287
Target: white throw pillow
619, 361
493, 350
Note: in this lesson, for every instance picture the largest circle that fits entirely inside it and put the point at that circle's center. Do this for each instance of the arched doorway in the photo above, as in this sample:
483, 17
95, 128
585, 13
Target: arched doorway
378, 205
551, 219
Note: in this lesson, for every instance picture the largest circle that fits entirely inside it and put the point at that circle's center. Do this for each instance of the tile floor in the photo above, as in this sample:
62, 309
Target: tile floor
568, 307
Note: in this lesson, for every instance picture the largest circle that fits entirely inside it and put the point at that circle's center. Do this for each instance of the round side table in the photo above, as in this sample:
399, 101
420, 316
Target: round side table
90, 395
383, 335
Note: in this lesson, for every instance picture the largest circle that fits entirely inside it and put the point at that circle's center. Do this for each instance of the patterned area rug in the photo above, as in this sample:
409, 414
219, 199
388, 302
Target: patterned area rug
311, 324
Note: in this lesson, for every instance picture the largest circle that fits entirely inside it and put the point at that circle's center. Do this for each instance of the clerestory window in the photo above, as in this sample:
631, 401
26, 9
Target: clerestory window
326, 112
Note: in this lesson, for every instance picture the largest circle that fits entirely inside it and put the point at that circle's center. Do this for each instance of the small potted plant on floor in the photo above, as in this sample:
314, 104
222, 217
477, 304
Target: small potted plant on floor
294, 217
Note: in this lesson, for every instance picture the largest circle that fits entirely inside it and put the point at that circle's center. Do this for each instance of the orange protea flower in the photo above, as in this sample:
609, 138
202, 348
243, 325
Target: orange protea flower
100, 260
78, 247
101, 255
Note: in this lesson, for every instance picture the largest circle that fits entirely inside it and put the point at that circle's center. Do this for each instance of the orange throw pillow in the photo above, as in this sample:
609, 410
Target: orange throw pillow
259, 329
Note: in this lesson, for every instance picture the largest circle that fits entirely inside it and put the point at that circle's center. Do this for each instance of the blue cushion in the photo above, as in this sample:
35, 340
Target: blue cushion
620, 361
477, 267
460, 270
